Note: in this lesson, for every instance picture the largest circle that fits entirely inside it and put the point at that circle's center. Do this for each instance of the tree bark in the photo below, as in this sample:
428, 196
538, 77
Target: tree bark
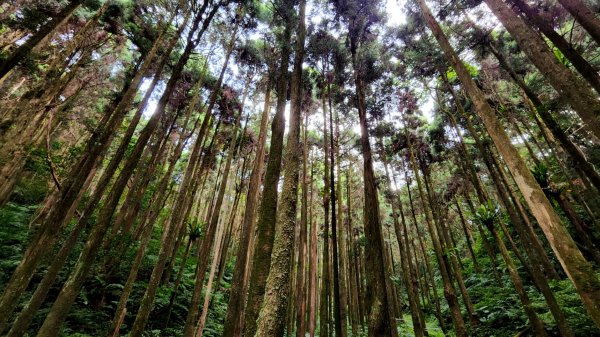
534, 321
340, 326
71, 191
174, 222
325, 303
265, 227
313, 265
211, 229
406, 260
444, 265
59, 310
271, 320
302, 294
379, 320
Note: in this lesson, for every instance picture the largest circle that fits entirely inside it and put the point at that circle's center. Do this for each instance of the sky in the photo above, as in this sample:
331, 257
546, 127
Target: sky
395, 12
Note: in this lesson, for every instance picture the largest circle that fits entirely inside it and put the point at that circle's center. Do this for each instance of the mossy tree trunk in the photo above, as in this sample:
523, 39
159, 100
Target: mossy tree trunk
271, 320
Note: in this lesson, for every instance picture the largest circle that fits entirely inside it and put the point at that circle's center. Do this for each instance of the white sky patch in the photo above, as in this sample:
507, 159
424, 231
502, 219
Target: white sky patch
395, 12
153, 101
145, 85
356, 129
286, 114
150, 108
314, 16
427, 108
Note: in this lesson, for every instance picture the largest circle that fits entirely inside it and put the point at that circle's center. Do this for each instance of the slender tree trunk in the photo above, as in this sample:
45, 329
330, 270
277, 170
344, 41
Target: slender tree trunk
209, 286
406, 261
449, 292
445, 241
313, 265
534, 321
352, 284
301, 317
174, 223
342, 233
234, 321
159, 198
538, 270
337, 316
436, 297
468, 236
72, 286
71, 191
231, 224
178, 280
30, 129
325, 309
454, 265
209, 237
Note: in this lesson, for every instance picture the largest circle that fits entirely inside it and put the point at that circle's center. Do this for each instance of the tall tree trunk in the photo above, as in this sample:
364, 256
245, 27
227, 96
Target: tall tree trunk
178, 280
406, 261
174, 222
438, 311
442, 230
337, 315
577, 268
325, 305
271, 320
71, 190
468, 236
444, 265
265, 227
536, 324
209, 286
313, 265
379, 320
456, 269
59, 310
41, 292
301, 298
234, 321
342, 233
158, 201
352, 284
539, 270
